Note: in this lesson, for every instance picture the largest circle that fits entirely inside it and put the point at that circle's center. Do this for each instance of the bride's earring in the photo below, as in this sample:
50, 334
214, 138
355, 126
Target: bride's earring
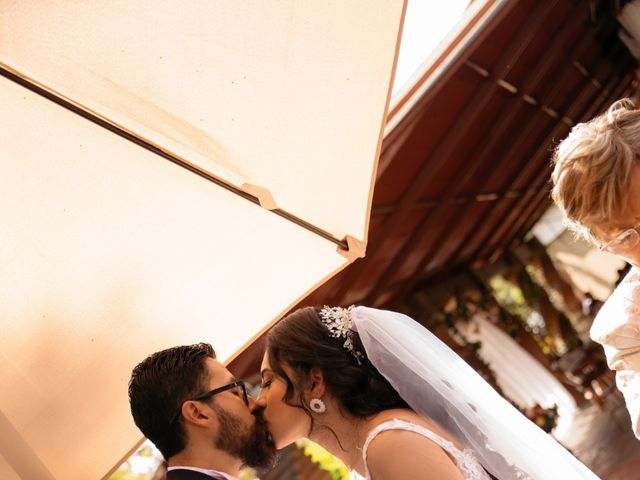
317, 405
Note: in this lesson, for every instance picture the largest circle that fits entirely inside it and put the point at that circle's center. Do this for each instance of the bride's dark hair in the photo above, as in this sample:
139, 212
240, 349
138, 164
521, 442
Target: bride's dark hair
301, 341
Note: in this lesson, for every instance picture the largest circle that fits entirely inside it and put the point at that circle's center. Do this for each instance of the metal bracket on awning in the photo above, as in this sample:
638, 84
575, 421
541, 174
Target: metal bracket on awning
263, 195
355, 248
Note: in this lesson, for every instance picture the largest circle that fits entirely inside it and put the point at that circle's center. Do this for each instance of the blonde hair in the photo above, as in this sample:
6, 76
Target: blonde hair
593, 167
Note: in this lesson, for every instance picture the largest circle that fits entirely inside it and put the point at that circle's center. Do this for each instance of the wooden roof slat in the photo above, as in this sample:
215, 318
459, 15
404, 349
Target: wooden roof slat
514, 219
448, 64
526, 129
542, 206
480, 198
564, 36
469, 119
516, 214
526, 222
538, 179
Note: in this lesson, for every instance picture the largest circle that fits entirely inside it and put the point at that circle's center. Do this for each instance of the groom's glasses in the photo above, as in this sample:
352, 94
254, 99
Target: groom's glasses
239, 384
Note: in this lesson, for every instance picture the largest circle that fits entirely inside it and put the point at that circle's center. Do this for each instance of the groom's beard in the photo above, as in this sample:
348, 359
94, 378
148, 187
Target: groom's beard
251, 444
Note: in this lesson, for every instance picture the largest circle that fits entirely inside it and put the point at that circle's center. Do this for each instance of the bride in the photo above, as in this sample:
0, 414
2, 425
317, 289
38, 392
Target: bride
389, 399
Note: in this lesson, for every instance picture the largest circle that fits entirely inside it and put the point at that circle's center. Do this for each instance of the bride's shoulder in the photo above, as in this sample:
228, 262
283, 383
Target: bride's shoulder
394, 414
388, 420
400, 453
404, 415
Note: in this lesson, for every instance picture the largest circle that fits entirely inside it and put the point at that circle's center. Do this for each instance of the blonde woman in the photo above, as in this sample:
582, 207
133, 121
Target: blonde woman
596, 181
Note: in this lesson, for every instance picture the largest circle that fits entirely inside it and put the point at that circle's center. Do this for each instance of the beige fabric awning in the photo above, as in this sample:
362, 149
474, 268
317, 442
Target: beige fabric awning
110, 251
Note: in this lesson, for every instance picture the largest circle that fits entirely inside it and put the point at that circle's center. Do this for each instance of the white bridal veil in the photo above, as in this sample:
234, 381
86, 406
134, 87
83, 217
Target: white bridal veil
438, 384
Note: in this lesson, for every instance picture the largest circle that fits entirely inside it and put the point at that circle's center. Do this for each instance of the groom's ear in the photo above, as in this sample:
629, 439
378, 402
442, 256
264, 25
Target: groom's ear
194, 413
316, 386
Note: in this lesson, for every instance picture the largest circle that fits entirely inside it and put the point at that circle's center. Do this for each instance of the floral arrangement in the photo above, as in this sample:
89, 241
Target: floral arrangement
327, 462
545, 418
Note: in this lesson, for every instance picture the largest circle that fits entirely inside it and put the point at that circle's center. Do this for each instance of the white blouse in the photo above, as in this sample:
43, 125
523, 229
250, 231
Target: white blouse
617, 329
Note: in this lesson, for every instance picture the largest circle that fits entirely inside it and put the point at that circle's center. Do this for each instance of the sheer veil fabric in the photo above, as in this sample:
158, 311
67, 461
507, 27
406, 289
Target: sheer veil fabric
438, 384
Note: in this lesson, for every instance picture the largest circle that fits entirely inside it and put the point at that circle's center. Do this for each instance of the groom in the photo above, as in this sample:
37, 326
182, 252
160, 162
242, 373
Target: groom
198, 415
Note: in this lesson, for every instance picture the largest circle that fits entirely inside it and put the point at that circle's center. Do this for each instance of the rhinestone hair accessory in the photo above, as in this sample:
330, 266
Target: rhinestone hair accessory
340, 325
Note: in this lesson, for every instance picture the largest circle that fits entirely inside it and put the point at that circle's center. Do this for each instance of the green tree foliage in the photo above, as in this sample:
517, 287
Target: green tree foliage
139, 466
144, 462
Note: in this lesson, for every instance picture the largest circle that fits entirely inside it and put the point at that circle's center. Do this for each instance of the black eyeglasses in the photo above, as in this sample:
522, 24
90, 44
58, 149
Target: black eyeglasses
215, 391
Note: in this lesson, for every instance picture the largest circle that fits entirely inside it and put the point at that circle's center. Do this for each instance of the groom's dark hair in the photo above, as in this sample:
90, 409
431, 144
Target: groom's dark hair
158, 387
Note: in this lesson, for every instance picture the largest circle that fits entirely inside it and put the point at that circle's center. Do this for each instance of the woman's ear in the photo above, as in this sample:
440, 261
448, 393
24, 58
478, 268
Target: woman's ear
315, 386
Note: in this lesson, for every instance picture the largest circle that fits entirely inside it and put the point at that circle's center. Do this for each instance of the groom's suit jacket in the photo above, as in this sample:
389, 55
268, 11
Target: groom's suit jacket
180, 474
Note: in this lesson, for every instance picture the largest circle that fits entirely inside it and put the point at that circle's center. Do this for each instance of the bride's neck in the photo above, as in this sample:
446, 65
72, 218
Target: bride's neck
341, 435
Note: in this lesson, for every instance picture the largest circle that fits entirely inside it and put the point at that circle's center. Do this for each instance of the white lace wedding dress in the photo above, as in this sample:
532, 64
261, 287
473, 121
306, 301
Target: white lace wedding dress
465, 460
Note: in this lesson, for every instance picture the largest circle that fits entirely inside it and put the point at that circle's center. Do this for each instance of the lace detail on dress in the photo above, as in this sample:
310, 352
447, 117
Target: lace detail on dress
465, 459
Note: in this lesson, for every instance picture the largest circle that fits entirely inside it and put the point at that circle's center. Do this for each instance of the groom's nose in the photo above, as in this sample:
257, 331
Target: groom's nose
256, 403
251, 403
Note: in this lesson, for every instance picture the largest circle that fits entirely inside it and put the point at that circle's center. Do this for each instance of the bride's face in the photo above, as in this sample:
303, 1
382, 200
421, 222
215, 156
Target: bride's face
286, 423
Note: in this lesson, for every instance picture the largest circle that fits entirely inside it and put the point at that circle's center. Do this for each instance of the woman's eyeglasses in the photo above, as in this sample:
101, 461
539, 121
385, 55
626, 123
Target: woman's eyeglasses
623, 243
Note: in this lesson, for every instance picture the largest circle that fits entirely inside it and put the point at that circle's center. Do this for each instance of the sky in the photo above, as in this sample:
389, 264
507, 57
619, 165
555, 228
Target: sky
426, 23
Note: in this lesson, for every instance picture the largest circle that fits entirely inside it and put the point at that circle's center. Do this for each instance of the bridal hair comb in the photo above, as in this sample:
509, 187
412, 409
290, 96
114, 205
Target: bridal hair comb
340, 325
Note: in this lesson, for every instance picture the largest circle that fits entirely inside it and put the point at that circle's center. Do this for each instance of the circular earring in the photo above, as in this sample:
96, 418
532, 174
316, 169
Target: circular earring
317, 405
